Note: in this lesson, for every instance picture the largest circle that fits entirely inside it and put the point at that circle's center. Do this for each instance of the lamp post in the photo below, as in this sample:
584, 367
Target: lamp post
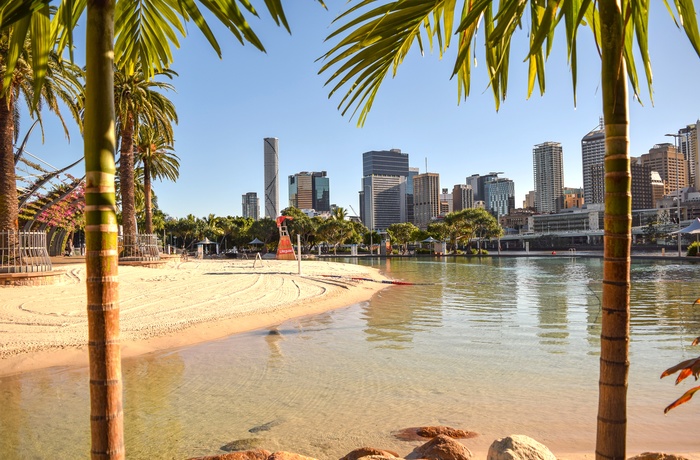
678, 189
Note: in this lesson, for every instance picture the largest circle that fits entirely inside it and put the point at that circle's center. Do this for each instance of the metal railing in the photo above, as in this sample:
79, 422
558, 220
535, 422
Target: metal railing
23, 252
138, 247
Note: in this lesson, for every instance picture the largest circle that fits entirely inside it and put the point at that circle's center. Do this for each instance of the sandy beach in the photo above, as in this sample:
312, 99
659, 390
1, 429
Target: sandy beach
181, 304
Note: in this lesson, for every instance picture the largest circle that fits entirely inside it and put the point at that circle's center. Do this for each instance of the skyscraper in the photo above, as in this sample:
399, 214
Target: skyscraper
383, 194
499, 196
426, 198
310, 190
592, 153
548, 172
251, 205
689, 138
272, 194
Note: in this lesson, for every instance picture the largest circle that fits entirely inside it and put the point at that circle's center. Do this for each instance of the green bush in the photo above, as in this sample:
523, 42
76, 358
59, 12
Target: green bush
693, 248
475, 252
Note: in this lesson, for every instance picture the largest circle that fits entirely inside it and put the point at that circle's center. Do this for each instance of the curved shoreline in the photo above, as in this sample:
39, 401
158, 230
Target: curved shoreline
162, 308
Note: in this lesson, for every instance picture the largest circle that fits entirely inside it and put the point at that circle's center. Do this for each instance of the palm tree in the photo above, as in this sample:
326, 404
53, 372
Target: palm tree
376, 36
138, 102
62, 83
146, 31
156, 155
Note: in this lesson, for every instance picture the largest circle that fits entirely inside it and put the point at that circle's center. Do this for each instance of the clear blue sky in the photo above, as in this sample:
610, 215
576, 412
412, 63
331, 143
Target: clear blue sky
226, 107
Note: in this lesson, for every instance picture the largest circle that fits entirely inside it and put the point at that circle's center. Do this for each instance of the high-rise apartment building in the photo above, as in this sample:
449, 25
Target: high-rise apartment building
529, 202
473, 182
548, 172
689, 143
592, 153
572, 198
412, 172
383, 194
251, 205
272, 194
670, 164
462, 197
426, 198
310, 190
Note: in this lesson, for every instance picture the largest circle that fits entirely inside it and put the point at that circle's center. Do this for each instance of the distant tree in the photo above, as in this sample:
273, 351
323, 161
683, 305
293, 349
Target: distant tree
265, 230
339, 213
334, 232
439, 230
471, 223
301, 225
401, 234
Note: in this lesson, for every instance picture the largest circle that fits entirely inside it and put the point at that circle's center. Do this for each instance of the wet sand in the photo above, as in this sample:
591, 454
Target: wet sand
182, 304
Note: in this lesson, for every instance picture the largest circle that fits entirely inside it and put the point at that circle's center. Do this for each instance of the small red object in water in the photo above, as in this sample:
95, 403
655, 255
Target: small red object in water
554, 253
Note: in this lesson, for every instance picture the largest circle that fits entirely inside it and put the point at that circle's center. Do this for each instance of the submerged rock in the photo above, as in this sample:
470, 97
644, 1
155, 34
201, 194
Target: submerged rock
265, 426
258, 454
519, 447
242, 444
657, 456
369, 451
442, 447
454, 433
282, 455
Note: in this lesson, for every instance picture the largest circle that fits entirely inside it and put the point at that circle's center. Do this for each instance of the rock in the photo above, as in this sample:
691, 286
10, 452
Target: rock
519, 447
368, 451
242, 444
282, 455
257, 454
265, 426
657, 456
454, 433
378, 457
442, 447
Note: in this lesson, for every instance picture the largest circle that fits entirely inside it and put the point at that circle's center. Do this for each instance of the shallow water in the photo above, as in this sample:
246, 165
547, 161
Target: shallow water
498, 346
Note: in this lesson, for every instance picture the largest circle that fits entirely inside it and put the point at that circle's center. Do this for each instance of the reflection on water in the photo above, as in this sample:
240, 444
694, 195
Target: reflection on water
497, 346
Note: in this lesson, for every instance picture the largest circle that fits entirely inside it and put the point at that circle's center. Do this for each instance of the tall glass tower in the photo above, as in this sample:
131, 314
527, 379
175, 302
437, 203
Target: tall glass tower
272, 194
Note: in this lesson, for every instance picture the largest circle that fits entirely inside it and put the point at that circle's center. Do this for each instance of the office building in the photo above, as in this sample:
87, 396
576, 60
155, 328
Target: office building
688, 143
412, 172
426, 197
383, 194
272, 194
642, 192
548, 172
310, 190
592, 153
657, 189
499, 196
572, 198
251, 205
462, 197
670, 164
473, 182
445, 202
529, 202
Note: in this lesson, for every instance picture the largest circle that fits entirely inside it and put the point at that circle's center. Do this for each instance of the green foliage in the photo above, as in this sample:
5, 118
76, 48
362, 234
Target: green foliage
402, 233
693, 248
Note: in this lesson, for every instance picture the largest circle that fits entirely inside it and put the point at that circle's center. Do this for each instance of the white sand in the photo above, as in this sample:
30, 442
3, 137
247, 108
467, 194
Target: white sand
182, 304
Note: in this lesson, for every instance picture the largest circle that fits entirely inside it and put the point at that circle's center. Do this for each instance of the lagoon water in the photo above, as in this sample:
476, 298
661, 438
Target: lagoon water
498, 346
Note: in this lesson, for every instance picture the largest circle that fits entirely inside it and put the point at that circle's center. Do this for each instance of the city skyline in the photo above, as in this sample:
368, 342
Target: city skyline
226, 106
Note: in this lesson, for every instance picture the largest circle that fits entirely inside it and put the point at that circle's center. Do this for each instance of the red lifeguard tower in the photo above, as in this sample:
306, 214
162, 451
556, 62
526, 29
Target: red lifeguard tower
285, 251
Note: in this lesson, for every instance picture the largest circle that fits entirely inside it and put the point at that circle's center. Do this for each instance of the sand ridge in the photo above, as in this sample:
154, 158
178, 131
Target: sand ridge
184, 303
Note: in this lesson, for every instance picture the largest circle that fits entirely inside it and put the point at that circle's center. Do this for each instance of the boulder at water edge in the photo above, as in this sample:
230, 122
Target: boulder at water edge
257, 454
367, 451
519, 447
442, 447
282, 455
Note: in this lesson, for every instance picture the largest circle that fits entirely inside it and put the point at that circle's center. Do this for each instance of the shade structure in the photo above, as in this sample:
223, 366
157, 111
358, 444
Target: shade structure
430, 239
256, 241
692, 228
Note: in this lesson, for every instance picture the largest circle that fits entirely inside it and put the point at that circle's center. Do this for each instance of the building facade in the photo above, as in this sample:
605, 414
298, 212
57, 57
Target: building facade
592, 153
310, 190
548, 174
250, 205
689, 142
499, 196
383, 194
572, 198
426, 197
670, 164
462, 197
272, 194
642, 192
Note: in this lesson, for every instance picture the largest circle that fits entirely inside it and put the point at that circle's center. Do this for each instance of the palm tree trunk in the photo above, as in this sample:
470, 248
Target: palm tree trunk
8, 182
614, 343
126, 178
106, 411
147, 193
